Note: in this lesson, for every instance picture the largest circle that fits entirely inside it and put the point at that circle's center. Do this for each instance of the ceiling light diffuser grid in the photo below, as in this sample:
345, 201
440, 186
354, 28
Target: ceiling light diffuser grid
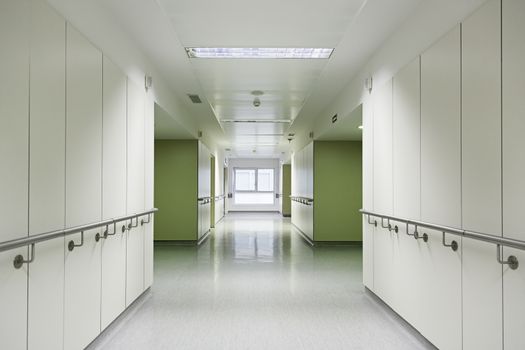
260, 52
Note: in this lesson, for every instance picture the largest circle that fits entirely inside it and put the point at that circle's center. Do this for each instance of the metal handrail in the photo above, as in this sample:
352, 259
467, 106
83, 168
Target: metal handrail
30, 240
497, 240
302, 200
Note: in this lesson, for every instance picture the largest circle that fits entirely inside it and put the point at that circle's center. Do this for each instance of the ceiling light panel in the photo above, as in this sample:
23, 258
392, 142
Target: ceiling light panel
259, 52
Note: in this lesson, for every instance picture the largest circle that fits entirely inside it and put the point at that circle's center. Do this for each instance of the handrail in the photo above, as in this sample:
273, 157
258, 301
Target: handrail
31, 240
498, 240
302, 200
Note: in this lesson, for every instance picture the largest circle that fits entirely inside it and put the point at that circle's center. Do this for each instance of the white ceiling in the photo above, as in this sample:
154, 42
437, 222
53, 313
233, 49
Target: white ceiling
297, 90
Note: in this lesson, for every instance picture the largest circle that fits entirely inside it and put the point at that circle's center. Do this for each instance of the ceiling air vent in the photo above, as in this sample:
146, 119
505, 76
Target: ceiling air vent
195, 98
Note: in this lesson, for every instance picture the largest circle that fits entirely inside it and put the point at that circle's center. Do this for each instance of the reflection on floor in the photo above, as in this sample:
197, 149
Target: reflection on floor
255, 284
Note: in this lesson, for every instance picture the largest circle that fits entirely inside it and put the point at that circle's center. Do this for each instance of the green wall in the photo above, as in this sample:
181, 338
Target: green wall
176, 176
337, 191
287, 190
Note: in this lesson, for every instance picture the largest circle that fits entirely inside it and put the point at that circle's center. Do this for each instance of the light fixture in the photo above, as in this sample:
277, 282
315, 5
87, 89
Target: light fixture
260, 52
268, 121
360, 127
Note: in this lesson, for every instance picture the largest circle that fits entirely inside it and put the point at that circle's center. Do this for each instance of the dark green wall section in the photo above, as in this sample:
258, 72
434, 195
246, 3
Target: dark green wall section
287, 190
337, 191
176, 167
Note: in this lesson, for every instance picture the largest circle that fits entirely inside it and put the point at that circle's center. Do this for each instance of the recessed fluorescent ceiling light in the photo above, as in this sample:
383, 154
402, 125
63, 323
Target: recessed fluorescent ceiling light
271, 121
258, 52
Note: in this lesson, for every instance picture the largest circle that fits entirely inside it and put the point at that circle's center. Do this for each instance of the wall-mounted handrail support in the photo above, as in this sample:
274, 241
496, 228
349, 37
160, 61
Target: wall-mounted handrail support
130, 226
424, 236
142, 222
107, 233
71, 245
408, 230
512, 261
19, 261
370, 222
453, 245
383, 225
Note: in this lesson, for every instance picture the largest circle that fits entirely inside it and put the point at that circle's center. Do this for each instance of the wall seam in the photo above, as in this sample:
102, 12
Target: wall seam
501, 175
461, 169
29, 42
65, 182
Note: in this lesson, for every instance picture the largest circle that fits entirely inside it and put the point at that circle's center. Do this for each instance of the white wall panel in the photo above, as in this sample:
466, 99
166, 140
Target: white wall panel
113, 292
13, 302
47, 175
83, 189
136, 191
382, 139
441, 132
82, 291
149, 139
481, 172
14, 117
440, 293
368, 195
513, 167
407, 142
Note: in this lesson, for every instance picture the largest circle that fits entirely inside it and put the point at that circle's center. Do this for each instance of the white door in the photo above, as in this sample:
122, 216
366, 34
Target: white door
83, 189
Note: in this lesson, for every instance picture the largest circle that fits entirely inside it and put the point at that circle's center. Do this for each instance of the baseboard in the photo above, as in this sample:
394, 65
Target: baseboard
304, 236
204, 238
177, 242
392, 313
339, 243
98, 342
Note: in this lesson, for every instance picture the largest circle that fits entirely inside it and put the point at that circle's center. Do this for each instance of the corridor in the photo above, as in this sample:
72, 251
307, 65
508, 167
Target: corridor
256, 284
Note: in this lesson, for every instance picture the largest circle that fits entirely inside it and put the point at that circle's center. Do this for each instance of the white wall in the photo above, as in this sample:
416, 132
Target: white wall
77, 142
252, 163
447, 151
303, 186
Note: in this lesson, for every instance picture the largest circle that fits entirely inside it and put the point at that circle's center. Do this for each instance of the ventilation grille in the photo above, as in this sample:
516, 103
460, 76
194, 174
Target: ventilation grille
195, 98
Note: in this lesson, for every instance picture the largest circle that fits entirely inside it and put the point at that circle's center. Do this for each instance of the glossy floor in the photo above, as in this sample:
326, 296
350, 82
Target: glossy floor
255, 284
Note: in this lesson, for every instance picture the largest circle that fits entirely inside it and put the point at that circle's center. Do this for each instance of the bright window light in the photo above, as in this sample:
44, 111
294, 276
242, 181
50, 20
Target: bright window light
258, 52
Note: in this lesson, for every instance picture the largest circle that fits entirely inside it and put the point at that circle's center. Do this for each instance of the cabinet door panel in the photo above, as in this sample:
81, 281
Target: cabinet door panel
441, 132
82, 291
406, 142
513, 166
368, 195
47, 175
14, 118
149, 138
383, 149
13, 304
135, 236
481, 173
440, 304
113, 292
84, 131
83, 189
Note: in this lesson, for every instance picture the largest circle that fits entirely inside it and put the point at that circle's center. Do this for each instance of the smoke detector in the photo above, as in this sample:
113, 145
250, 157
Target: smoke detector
256, 102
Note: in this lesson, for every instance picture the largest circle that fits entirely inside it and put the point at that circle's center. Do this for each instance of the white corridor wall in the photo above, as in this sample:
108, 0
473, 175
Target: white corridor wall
76, 147
445, 138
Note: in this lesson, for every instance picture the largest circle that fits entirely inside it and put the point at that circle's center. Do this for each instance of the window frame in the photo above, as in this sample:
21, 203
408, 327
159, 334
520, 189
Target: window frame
256, 169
